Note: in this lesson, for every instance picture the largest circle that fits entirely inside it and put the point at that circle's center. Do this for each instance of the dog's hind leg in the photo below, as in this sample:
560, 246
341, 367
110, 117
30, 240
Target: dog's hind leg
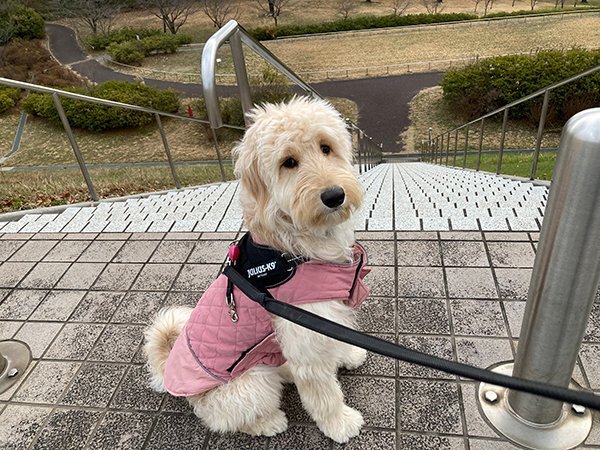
249, 403
354, 357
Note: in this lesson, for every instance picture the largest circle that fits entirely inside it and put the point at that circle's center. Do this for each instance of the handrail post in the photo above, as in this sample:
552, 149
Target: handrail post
480, 145
359, 148
561, 294
163, 137
441, 142
220, 159
455, 148
75, 147
502, 137
447, 147
239, 65
540, 132
466, 146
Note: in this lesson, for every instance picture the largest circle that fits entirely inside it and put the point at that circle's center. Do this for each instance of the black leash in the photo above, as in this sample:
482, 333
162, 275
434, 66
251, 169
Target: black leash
341, 333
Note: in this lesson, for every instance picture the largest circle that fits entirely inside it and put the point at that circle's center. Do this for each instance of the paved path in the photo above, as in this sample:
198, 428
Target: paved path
402, 197
383, 102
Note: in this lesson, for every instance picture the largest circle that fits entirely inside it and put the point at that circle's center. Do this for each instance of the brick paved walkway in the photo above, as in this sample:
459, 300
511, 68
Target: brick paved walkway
81, 301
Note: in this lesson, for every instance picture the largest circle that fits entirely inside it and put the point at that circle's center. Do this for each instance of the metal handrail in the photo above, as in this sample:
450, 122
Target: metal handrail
434, 141
57, 93
369, 154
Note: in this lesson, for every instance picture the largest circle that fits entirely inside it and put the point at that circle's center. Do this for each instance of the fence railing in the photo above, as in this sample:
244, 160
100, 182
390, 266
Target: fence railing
368, 153
444, 148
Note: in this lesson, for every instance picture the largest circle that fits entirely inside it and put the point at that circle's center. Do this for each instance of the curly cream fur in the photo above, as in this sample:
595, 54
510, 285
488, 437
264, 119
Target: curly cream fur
283, 209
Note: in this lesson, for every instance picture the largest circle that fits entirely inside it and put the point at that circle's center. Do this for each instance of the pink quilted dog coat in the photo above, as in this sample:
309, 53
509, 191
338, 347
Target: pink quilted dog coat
212, 349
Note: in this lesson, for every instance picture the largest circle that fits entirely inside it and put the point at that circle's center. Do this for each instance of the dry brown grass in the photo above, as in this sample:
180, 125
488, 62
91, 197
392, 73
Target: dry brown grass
387, 52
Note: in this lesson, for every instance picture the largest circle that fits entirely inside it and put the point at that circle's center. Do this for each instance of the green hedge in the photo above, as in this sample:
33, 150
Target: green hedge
133, 52
357, 23
29, 24
529, 12
8, 97
82, 114
492, 83
101, 41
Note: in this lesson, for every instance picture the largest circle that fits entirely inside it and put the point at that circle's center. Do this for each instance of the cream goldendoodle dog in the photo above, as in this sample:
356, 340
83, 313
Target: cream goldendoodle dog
230, 357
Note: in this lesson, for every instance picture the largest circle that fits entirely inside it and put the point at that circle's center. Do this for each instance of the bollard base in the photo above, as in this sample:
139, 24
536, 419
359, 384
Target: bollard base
15, 356
568, 432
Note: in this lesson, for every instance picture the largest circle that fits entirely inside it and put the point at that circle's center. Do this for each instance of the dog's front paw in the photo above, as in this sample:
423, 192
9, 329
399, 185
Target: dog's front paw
343, 426
356, 358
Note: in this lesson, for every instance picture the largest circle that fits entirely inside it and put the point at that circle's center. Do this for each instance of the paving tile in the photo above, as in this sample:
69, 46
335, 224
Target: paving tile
235, 441
38, 335
21, 303
209, 252
182, 235
429, 442
428, 405
477, 318
146, 236
19, 425
377, 315
68, 428
418, 253
74, 341
81, 275
177, 431
420, 282
476, 424
11, 273
7, 248
134, 391
440, 346
32, 251
44, 275
464, 254
513, 283
375, 365
8, 329
136, 251
196, 277
117, 277
590, 358
370, 439
379, 253
6, 395
515, 312
139, 307
67, 251
374, 235
121, 431
460, 235
300, 436
182, 299
157, 277
470, 283
416, 235
511, 254
489, 444
373, 397
58, 305
411, 314
172, 252
97, 306
101, 251
483, 352
94, 385
108, 236
506, 236
117, 343
46, 382
176, 404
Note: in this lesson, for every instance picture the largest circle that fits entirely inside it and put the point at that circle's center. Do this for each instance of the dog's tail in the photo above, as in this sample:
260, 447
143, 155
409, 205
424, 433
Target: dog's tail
160, 337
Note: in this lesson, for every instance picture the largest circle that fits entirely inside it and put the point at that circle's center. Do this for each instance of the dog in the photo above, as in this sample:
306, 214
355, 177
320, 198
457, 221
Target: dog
298, 192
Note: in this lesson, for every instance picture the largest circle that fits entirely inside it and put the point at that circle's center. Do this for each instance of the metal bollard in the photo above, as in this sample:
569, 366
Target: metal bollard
15, 356
564, 281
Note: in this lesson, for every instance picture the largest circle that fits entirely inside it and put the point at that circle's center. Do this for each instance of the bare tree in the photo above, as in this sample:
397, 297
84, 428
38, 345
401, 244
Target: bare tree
433, 6
477, 2
173, 13
533, 3
218, 11
399, 6
487, 6
346, 7
272, 8
98, 15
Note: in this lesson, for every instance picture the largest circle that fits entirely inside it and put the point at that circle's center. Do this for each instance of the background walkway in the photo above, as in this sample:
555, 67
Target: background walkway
382, 102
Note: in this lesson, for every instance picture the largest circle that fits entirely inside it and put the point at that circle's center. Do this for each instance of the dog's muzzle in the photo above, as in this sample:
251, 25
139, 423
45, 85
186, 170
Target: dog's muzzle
333, 197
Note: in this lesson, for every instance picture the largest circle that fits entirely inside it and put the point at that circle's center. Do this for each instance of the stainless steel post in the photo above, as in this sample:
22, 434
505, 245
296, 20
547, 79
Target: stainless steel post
466, 146
441, 143
239, 64
163, 136
480, 146
540, 133
447, 147
502, 137
75, 146
563, 284
455, 148
218, 154
359, 148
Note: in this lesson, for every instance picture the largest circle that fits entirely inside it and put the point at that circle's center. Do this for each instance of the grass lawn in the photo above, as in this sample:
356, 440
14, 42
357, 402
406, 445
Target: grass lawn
36, 189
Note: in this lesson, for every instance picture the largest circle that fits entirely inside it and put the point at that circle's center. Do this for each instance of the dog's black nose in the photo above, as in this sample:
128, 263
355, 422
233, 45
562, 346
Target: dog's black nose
333, 197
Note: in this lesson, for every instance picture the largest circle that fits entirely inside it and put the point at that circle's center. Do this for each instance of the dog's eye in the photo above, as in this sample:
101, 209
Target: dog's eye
326, 149
290, 163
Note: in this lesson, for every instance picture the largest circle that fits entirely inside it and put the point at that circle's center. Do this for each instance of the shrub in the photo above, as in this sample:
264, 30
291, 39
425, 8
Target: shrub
91, 116
133, 52
492, 83
101, 41
357, 23
28, 23
128, 52
8, 97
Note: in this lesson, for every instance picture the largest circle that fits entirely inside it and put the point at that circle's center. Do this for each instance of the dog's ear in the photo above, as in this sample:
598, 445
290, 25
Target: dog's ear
247, 170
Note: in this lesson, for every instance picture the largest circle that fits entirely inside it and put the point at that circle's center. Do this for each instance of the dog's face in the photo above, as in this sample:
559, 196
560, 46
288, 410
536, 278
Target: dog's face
295, 166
